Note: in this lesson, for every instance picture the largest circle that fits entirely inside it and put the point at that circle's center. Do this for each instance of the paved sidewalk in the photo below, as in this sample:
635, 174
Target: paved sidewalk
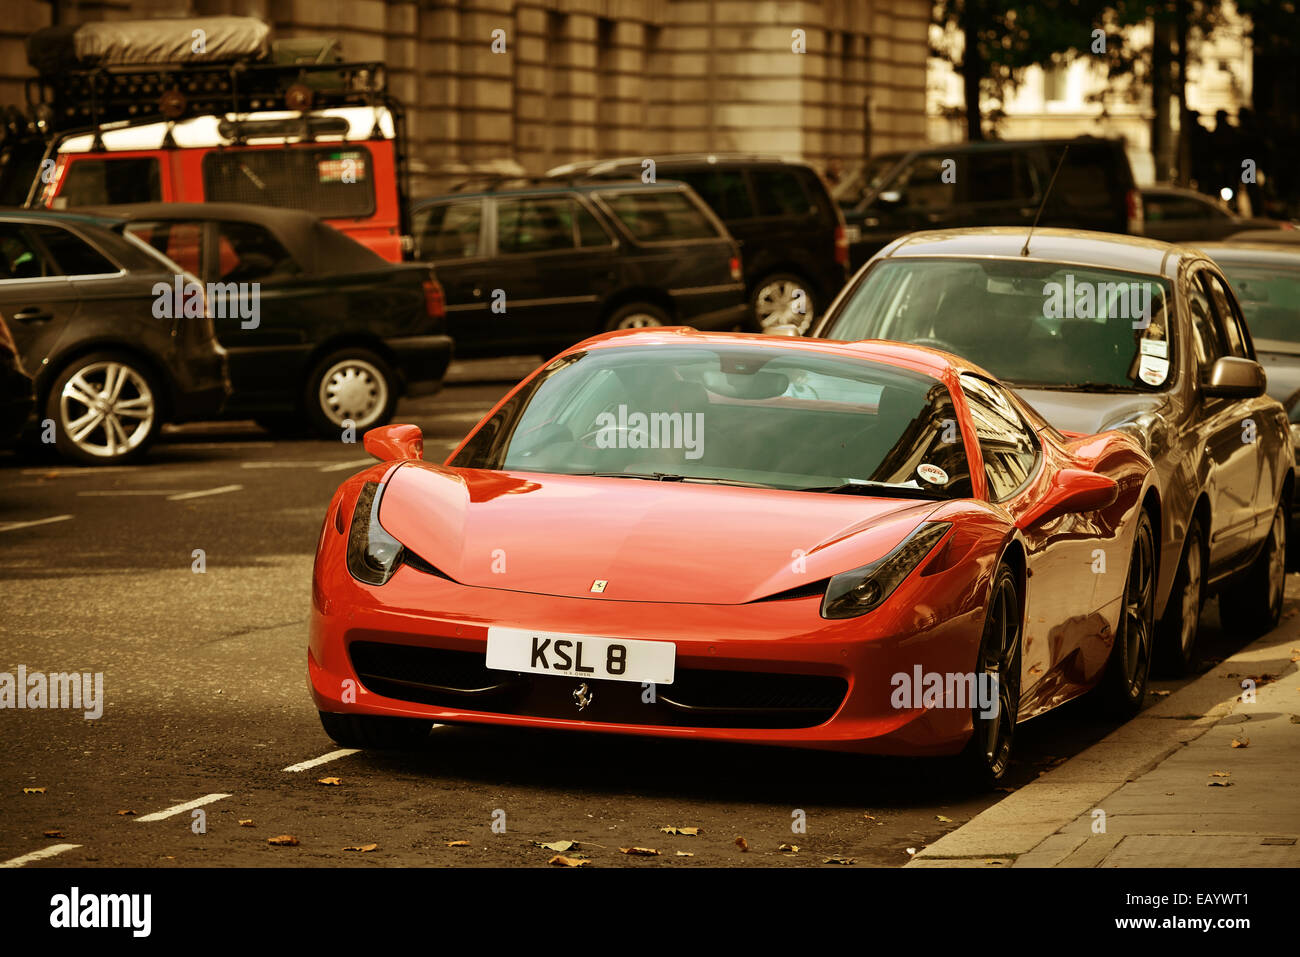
1150, 794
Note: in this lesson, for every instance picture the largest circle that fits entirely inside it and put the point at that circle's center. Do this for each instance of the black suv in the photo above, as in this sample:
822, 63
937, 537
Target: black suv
790, 230
112, 360
996, 183
537, 269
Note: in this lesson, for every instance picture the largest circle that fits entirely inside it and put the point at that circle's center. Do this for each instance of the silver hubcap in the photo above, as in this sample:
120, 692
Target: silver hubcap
638, 320
106, 409
354, 390
775, 305
1192, 595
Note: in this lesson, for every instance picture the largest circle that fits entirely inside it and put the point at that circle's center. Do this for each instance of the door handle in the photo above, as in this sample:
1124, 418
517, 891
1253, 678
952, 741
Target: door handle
33, 314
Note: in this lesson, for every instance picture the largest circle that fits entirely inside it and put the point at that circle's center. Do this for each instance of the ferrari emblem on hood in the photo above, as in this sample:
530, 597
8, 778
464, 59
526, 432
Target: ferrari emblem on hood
599, 585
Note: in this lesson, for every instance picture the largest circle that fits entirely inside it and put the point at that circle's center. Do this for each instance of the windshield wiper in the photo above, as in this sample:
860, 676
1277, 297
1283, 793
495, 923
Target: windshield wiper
673, 477
1072, 386
874, 488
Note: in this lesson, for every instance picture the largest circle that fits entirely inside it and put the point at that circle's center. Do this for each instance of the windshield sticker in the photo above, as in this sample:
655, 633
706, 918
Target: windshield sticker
1154, 347
932, 474
1153, 370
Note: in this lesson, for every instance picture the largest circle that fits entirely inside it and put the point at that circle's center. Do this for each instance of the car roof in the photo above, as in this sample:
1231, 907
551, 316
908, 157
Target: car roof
583, 167
559, 186
1270, 253
239, 212
87, 218
928, 362
1080, 246
987, 146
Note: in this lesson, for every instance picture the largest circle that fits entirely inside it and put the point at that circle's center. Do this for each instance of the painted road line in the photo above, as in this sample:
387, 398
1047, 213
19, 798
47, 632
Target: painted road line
13, 526
279, 464
105, 493
193, 446
323, 759
207, 491
40, 855
341, 466
181, 808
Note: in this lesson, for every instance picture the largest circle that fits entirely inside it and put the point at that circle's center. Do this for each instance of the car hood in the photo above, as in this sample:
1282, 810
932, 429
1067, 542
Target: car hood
1090, 412
651, 541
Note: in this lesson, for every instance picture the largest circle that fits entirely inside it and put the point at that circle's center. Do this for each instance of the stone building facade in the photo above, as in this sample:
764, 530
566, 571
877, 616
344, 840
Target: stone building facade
543, 82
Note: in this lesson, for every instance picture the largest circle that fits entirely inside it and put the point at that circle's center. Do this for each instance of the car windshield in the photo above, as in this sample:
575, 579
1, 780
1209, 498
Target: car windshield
731, 414
1029, 323
864, 179
1270, 300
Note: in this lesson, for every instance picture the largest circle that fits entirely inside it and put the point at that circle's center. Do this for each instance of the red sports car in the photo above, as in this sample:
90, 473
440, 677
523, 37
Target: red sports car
868, 547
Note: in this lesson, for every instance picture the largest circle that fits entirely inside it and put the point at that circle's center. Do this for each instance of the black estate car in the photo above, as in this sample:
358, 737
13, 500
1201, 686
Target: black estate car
537, 269
339, 332
790, 230
992, 183
79, 296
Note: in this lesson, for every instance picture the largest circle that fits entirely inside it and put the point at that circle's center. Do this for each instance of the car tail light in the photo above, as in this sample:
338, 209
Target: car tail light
1136, 221
841, 246
435, 303
735, 268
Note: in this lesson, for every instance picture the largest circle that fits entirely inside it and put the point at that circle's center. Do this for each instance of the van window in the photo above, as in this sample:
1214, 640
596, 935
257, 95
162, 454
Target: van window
330, 181
109, 181
660, 216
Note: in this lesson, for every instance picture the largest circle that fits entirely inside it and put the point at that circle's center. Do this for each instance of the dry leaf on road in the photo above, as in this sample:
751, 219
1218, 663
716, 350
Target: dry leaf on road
789, 848
361, 847
458, 843
940, 817
283, 840
688, 831
126, 812
558, 846
742, 844
640, 851
840, 860
53, 834
1218, 784
1243, 743
33, 790
332, 782
685, 854
559, 860
247, 822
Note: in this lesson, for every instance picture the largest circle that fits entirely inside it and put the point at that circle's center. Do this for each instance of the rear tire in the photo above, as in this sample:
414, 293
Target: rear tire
351, 385
776, 299
1253, 604
637, 315
1176, 652
106, 409
988, 753
376, 732
1123, 686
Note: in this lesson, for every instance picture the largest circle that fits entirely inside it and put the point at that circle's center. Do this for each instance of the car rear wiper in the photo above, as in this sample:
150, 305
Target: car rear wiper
874, 488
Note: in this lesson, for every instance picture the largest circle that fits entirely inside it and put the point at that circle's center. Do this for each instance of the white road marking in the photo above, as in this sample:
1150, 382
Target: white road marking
40, 855
341, 466
13, 526
82, 473
104, 493
323, 759
279, 464
182, 808
207, 491
215, 445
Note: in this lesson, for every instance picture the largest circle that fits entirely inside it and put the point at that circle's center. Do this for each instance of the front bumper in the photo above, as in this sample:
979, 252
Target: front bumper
774, 654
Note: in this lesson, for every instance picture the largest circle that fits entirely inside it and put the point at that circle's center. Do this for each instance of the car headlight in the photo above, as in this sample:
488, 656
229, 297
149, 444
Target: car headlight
857, 592
373, 554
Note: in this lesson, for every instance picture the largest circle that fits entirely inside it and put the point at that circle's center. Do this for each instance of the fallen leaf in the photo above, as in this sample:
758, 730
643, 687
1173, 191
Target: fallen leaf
1219, 784
559, 860
247, 823
940, 817
53, 834
558, 846
742, 844
458, 843
1243, 743
1006, 790
685, 854
791, 848
33, 790
126, 812
331, 782
640, 851
363, 847
1161, 694
1220, 774
840, 860
869, 817
911, 850
283, 840
1295, 719
688, 831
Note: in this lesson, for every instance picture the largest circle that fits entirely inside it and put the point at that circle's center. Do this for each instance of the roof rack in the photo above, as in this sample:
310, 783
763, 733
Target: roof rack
91, 98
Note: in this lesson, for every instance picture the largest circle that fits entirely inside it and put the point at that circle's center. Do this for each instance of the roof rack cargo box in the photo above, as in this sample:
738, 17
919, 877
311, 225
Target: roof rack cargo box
148, 43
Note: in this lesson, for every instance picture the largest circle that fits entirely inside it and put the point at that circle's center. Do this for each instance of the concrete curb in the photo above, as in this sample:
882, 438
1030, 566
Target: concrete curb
1030, 818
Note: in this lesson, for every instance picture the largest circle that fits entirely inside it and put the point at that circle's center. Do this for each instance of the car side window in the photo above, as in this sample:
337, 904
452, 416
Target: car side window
779, 193
999, 177
20, 257
1229, 317
1007, 444
449, 231
102, 182
534, 225
724, 191
72, 254
249, 253
179, 242
1210, 345
590, 232
922, 185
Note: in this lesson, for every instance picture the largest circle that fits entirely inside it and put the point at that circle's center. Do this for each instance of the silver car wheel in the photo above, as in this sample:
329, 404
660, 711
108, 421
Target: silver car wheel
775, 304
107, 409
353, 390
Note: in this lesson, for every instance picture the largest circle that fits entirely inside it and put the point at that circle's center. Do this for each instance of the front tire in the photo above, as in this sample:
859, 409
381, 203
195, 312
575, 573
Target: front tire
350, 387
988, 753
377, 732
106, 409
1253, 604
1124, 684
1176, 651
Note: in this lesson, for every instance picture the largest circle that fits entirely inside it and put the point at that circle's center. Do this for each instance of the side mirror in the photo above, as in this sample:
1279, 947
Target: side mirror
784, 329
1073, 491
392, 443
1234, 378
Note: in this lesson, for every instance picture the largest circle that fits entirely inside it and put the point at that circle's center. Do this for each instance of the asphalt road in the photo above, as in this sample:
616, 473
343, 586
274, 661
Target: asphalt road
206, 698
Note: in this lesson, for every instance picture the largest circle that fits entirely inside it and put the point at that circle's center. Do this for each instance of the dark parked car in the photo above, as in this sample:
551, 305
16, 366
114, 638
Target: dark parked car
17, 389
537, 269
79, 294
1178, 215
995, 183
1112, 332
790, 231
1266, 280
340, 333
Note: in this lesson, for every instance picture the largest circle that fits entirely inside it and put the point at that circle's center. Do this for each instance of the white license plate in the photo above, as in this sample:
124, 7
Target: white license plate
580, 656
